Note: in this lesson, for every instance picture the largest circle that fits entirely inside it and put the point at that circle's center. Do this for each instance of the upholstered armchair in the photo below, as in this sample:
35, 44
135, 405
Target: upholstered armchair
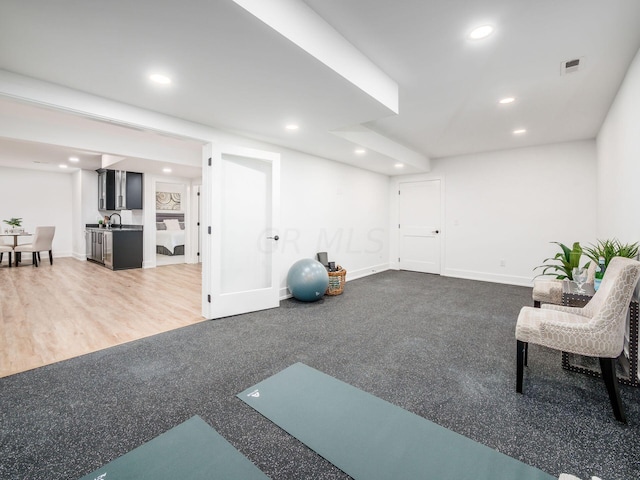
595, 330
549, 290
5, 249
42, 241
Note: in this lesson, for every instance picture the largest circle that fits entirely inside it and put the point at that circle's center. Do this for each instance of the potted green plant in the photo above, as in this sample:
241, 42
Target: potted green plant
15, 223
562, 264
604, 250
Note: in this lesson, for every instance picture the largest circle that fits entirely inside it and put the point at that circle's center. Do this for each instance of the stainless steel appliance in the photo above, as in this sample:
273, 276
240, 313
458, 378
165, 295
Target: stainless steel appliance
95, 245
107, 249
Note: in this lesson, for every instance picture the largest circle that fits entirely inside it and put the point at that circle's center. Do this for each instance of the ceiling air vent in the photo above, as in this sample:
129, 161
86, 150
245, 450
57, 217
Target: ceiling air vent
571, 66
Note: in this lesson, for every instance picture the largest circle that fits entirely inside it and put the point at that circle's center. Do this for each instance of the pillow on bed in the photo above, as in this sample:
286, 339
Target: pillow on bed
172, 224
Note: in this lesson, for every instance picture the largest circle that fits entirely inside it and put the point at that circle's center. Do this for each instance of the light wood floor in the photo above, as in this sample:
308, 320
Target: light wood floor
60, 311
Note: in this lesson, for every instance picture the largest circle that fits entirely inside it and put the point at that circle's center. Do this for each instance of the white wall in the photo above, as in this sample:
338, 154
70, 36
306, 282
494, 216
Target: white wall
85, 207
39, 198
508, 205
78, 247
333, 207
618, 146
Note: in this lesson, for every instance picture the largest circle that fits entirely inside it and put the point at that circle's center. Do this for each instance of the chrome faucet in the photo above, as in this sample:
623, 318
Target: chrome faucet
118, 217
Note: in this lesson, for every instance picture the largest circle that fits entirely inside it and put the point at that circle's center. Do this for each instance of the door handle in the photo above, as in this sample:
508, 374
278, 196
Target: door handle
436, 231
276, 238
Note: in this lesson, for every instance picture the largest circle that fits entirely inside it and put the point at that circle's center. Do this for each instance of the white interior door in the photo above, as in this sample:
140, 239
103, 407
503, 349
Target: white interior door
240, 262
419, 225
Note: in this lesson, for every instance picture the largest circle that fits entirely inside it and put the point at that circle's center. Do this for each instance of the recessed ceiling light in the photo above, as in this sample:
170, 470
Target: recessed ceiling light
506, 100
74, 159
62, 165
292, 126
166, 170
520, 131
481, 32
360, 151
399, 165
159, 78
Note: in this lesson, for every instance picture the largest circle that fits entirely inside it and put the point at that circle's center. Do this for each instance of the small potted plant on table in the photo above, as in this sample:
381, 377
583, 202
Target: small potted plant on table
15, 224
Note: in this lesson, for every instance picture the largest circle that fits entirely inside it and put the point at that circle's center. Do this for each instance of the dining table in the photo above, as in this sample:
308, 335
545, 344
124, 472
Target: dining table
15, 236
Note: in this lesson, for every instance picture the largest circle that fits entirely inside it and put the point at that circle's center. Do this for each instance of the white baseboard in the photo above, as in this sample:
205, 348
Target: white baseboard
365, 272
284, 293
57, 254
481, 276
489, 277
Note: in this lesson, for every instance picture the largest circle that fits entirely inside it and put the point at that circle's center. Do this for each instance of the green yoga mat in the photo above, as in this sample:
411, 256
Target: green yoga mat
192, 450
369, 438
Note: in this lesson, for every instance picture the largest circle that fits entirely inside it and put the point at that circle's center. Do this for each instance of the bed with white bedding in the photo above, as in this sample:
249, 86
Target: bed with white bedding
170, 234
170, 239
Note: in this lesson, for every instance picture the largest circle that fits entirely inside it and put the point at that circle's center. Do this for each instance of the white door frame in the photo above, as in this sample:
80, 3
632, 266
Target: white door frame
189, 220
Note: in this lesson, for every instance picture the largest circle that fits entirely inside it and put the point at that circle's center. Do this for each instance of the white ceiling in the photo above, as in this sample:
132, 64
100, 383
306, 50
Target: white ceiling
49, 156
40, 156
233, 72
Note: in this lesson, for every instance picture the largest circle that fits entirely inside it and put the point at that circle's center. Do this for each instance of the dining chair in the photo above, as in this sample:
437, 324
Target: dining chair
595, 330
6, 249
42, 240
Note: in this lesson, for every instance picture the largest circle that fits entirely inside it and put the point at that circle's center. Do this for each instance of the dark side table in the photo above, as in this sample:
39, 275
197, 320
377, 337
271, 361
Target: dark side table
628, 360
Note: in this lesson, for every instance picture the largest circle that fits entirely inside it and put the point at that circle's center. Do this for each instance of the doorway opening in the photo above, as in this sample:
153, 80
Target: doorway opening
171, 207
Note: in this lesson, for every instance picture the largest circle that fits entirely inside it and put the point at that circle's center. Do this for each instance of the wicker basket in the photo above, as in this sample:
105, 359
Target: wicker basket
336, 281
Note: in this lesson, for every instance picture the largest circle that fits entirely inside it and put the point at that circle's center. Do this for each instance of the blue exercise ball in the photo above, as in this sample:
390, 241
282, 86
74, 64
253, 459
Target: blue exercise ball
307, 280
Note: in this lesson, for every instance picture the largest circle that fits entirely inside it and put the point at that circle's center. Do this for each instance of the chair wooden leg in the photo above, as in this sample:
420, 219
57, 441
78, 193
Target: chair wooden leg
608, 367
34, 256
521, 349
39, 259
51, 257
9, 259
526, 353
1, 254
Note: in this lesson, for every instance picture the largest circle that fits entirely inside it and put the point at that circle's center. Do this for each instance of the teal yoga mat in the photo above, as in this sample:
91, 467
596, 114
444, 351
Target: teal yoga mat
192, 450
369, 438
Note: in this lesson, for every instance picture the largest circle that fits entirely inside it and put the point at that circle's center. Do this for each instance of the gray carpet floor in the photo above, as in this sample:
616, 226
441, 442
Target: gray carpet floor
442, 348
